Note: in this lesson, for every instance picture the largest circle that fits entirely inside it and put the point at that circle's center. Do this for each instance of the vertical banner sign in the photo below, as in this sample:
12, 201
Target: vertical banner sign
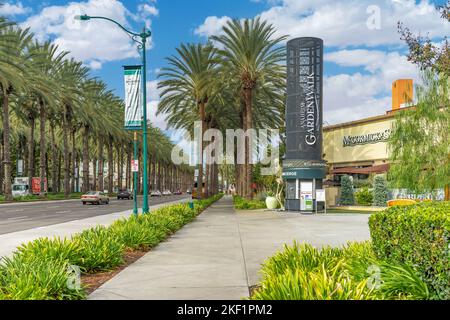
304, 99
133, 97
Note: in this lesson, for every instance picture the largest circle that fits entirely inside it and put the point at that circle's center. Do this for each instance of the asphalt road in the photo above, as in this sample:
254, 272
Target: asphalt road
24, 216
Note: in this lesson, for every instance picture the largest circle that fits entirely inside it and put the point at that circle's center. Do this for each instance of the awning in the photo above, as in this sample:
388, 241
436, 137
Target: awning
367, 170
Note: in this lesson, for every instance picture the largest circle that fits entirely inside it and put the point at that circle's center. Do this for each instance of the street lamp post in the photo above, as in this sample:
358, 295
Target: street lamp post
141, 45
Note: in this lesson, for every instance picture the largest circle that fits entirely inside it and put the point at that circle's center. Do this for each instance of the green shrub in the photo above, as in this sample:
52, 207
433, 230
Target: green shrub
380, 191
347, 198
34, 278
100, 250
417, 236
137, 233
362, 183
364, 197
302, 272
244, 204
53, 249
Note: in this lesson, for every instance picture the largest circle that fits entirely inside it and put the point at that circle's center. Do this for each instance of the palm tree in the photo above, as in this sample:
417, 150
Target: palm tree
70, 77
13, 42
44, 64
251, 55
187, 86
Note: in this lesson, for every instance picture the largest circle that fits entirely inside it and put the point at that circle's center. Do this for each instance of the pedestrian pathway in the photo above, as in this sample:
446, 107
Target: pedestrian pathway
218, 256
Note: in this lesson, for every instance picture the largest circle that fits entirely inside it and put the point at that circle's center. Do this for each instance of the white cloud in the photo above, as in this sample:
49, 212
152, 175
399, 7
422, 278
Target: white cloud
93, 42
212, 26
158, 121
152, 90
344, 22
9, 9
350, 97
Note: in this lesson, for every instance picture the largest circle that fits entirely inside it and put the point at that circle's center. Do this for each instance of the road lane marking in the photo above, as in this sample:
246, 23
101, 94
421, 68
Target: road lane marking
63, 212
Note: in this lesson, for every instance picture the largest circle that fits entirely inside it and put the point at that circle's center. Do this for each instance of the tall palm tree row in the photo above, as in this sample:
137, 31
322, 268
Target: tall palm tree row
57, 118
235, 81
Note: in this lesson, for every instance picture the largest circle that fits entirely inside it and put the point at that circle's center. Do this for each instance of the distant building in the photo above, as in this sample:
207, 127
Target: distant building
359, 148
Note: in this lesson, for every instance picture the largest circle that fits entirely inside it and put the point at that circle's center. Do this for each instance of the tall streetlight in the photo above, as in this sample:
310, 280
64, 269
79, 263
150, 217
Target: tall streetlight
141, 45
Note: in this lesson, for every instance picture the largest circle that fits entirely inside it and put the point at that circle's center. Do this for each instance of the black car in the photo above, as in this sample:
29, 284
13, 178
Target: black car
124, 194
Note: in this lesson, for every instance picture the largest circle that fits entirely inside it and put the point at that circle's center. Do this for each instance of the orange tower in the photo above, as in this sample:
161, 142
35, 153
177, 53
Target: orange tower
402, 93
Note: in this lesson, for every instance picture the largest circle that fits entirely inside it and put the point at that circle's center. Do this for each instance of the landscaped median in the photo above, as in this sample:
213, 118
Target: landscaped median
46, 268
408, 258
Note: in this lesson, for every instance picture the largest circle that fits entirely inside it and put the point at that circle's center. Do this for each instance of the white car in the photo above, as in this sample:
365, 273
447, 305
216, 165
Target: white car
167, 193
156, 193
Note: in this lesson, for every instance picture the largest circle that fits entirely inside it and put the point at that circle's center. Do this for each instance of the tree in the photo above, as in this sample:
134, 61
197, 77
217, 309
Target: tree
419, 144
347, 198
424, 52
380, 191
13, 42
251, 55
186, 88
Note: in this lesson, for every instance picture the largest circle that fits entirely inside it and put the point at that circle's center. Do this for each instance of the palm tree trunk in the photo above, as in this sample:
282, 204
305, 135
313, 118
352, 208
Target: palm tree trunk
86, 185
110, 165
55, 156
7, 149
42, 147
74, 161
101, 187
66, 155
248, 149
94, 173
200, 190
31, 146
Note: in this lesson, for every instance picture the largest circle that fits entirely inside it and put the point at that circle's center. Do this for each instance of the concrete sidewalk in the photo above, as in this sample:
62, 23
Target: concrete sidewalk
218, 256
10, 241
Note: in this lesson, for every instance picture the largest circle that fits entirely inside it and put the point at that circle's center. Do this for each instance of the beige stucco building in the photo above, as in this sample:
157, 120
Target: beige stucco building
359, 148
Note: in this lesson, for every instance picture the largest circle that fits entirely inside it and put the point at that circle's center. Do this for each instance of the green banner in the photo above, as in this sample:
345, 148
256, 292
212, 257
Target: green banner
133, 97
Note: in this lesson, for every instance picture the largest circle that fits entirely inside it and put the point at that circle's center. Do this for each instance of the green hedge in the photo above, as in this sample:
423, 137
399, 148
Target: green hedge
244, 204
418, 236
41, 269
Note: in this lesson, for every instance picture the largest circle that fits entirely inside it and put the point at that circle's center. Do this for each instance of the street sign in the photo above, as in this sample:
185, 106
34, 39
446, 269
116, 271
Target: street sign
320, 195
134, 165
196, 173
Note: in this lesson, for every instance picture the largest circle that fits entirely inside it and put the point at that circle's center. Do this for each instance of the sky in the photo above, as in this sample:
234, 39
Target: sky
363, 50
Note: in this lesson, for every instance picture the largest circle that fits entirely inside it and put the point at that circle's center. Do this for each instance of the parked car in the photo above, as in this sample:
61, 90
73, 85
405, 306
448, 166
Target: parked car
178, 193
95, 197
167, 193
156, 193
188, 191
124, 194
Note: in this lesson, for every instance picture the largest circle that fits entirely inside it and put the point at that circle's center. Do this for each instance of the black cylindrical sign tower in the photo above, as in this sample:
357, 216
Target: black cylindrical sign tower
303, 168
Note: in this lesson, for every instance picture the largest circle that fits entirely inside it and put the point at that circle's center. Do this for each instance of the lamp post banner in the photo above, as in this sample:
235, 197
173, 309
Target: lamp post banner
133, 97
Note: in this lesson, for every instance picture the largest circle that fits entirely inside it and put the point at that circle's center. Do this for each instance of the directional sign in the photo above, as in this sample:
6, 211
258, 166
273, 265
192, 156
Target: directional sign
134, 165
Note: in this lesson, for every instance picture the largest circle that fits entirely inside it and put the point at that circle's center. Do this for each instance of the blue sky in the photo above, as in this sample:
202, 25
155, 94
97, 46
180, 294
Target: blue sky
364, 53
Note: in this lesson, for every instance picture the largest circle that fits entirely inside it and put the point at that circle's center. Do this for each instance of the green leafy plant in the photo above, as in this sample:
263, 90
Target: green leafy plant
100, 250
364, 197
34, 278
347, 197
417, 236
244, 204
380, 191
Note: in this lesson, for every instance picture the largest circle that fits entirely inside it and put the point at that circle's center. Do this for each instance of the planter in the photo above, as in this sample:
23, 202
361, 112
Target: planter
271, 203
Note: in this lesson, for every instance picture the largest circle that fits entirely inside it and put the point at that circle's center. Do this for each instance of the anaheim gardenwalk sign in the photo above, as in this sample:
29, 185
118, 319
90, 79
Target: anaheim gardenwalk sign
369, 138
